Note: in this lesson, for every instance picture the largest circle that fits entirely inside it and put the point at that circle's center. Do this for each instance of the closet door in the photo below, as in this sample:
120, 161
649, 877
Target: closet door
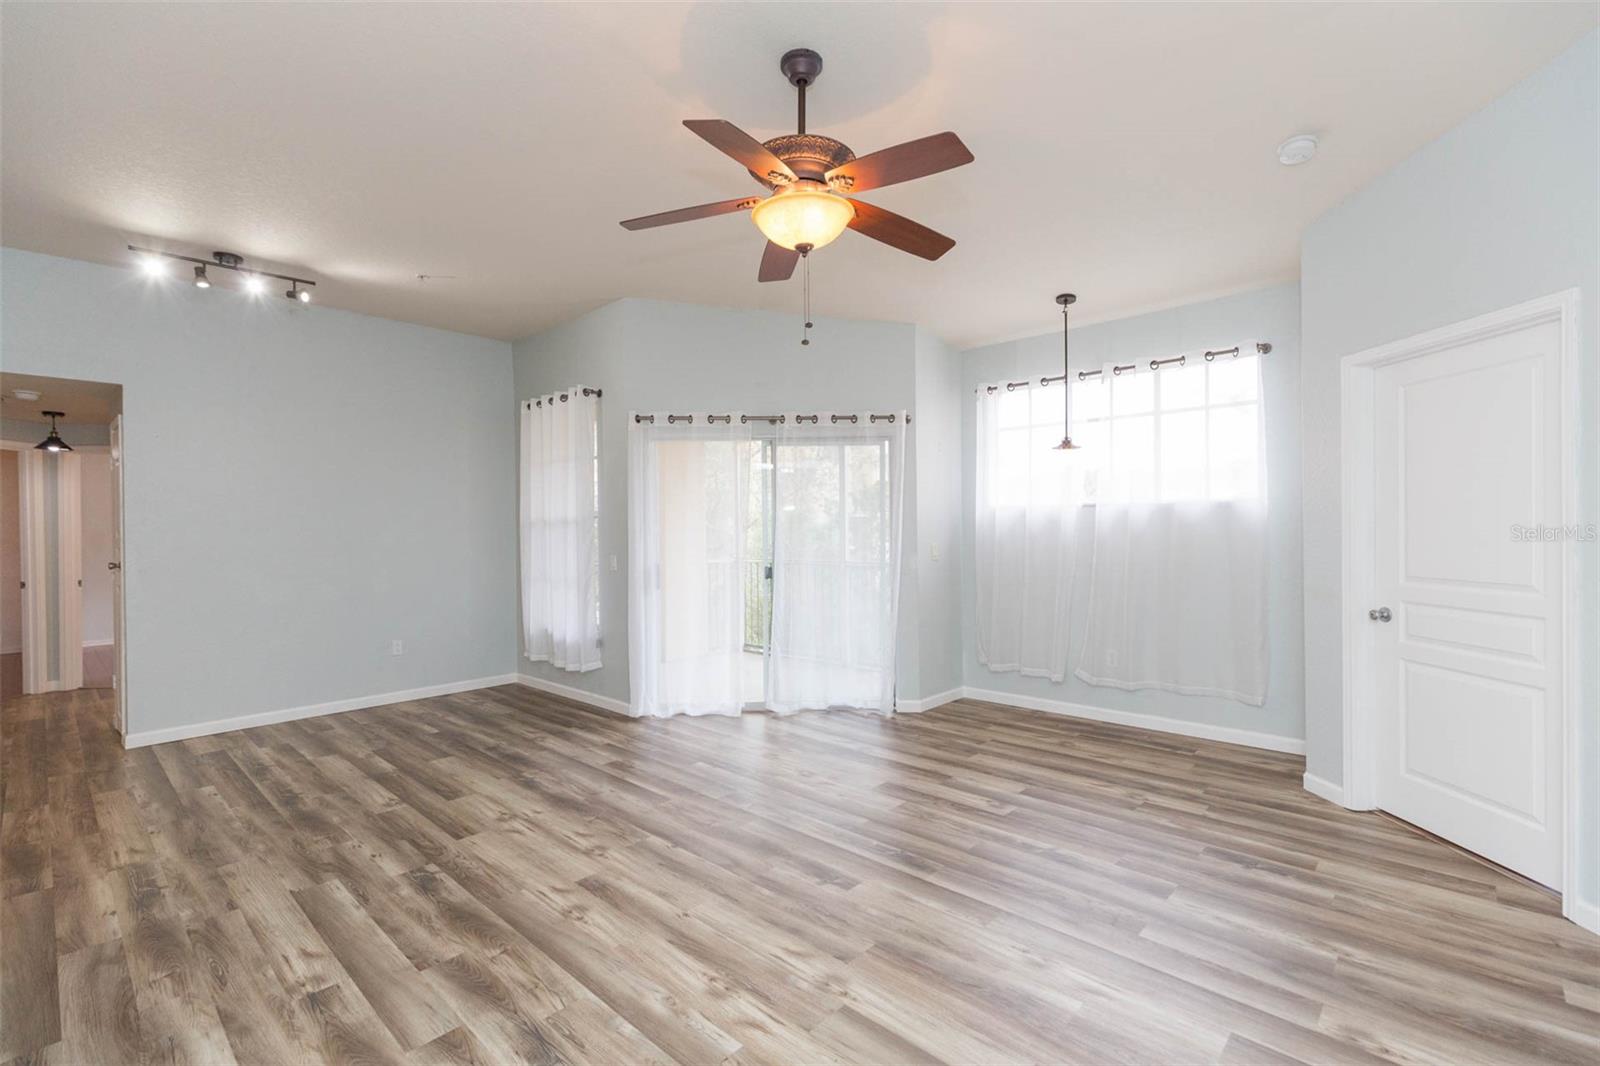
50, 500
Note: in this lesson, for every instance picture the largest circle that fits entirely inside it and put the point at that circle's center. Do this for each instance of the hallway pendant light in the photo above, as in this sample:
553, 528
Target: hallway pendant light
1066, 300
53, 443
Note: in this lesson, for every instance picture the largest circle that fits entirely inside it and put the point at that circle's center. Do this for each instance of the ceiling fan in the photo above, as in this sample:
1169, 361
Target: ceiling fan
809, 174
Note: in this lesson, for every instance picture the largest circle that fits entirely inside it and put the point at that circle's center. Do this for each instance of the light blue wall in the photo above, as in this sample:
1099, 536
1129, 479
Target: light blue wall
938, 434
302, 485
649, 355
1500, 210
1271, 314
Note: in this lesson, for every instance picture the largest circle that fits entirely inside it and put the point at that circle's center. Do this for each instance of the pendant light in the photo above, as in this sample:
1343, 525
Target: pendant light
53, 443
1066, 300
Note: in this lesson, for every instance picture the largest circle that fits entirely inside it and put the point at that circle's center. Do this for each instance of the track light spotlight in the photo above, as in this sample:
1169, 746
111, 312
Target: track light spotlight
254, 285
153, 266
200, 279
297, 293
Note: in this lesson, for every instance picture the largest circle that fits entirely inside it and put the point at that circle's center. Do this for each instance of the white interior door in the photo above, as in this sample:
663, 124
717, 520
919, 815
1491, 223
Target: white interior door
1469, 716
119, 657
35, 569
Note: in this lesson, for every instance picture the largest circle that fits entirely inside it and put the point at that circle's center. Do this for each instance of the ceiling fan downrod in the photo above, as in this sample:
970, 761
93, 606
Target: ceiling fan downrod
801, 66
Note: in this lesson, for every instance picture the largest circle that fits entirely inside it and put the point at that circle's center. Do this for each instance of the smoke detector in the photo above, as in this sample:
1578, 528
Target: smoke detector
1297, 149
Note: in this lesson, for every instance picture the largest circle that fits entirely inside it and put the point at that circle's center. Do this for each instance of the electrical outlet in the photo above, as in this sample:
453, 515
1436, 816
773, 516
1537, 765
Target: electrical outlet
396, 648
933, 551
613, 564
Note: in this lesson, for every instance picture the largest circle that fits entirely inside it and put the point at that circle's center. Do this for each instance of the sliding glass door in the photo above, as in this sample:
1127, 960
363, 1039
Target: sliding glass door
764, 566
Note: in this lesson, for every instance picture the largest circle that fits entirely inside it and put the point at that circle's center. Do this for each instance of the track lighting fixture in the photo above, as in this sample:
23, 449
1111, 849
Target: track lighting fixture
53, 443
153, 264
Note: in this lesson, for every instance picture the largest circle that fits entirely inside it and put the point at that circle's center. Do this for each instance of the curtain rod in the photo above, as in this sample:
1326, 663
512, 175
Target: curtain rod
775, 419
530, 404
1262, 348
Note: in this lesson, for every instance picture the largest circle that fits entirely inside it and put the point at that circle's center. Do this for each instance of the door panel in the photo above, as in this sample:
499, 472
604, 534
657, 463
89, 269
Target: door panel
1469, 670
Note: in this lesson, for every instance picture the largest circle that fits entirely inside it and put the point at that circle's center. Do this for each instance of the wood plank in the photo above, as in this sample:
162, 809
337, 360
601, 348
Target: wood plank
380, 970
30, 1009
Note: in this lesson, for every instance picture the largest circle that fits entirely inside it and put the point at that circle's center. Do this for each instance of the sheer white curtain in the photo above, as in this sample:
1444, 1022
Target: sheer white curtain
1030, 532
838, 489
1177, 595
1139, 559
560, 529
690, 518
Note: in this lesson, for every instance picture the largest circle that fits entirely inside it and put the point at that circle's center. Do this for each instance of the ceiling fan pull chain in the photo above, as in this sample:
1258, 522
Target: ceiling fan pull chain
805, 286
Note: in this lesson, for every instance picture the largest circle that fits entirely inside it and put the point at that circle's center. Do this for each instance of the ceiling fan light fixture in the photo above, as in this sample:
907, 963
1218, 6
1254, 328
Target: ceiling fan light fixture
803, 213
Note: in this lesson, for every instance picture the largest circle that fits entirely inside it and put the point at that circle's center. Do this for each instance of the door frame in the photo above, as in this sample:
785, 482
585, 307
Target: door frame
1358, 426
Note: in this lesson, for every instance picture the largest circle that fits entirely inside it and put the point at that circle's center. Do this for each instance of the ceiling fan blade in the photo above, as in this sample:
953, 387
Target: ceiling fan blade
729, 139
899, 232
777, 263
914, 159
689, 214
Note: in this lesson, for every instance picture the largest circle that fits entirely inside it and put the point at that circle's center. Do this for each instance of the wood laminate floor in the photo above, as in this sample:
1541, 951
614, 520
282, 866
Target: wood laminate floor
503, 877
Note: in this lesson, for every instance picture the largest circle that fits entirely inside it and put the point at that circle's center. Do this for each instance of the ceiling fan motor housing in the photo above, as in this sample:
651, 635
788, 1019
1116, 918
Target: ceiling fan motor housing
809, 155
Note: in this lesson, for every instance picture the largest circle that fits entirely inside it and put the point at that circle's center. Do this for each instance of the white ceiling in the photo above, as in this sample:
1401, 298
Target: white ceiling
1125, 151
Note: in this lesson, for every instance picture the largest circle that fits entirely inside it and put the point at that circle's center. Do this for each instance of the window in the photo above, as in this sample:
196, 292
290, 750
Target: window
560, 529
1189, 432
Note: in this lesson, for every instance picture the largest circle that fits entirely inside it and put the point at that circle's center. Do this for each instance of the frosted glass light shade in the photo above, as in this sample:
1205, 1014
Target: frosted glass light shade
800, 215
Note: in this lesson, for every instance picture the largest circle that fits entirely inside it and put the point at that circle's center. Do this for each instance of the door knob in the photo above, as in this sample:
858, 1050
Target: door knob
113, 566
1380, 614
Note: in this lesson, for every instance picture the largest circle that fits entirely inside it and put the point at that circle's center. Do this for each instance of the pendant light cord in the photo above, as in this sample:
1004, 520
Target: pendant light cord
1066, 375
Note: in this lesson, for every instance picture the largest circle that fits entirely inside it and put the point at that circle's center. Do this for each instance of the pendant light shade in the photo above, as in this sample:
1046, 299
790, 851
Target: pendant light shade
53, 443
1066, 300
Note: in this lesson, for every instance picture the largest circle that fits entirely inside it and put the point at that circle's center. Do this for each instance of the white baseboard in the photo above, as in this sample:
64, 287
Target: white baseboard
1581, 912
315, 710
927, 703
555, 688
1321, 786
1159, 723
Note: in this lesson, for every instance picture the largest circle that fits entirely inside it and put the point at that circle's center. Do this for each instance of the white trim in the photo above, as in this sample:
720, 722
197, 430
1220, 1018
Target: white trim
314, 710
1158, 723
1581, 912
23, 446
1358, 506
927, 703
1321, 786
605, 703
